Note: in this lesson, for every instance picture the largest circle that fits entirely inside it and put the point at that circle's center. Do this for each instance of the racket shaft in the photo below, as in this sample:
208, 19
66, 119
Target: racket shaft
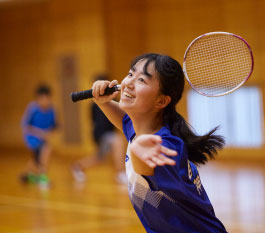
81, 95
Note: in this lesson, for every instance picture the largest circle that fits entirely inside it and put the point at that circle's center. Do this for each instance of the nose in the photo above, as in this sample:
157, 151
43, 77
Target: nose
128, 82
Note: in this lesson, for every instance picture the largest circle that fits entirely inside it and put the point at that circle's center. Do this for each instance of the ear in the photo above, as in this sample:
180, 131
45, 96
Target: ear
163, 101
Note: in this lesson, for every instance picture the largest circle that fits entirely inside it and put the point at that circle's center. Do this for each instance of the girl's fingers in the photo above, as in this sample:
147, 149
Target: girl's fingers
149, 149
169, 161
103, 88
95, 91
150, 163
164, 160
113, 95
168, 152
113, 83
158, 161
99, 87
156, 139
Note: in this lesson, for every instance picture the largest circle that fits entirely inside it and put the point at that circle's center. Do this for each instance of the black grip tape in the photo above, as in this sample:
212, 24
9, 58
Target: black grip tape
81, 95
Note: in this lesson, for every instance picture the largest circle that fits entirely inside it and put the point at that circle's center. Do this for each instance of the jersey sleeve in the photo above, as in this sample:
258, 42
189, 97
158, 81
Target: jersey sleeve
27, 116
168, 178
127, 127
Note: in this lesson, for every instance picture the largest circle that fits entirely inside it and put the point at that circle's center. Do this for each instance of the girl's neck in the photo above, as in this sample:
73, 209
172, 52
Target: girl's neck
148, 123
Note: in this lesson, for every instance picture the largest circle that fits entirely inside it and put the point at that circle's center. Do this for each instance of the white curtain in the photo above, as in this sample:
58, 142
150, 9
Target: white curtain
239, 115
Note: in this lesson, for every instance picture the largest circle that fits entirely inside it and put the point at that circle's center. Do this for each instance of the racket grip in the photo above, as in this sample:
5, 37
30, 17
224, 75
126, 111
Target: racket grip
81, 95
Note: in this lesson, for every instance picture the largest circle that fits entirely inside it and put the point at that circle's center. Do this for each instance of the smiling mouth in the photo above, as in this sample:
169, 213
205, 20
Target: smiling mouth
126, 94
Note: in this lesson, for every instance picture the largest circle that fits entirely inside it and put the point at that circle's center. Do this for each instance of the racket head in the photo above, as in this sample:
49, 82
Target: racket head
218, 63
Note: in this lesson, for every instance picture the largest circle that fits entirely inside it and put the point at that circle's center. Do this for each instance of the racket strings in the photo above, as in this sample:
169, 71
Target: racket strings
217, 64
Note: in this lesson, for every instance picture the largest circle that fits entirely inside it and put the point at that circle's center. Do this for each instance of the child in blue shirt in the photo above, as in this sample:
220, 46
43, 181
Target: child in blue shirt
37, 123
163, 181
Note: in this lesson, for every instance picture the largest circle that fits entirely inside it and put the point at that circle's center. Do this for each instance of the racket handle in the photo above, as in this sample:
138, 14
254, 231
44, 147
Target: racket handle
81, 95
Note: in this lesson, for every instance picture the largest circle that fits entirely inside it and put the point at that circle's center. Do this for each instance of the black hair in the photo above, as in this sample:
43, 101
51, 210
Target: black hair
43, 89
171, 81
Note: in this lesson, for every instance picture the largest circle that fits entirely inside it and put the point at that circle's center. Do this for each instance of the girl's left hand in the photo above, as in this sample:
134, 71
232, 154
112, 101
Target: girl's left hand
148, 149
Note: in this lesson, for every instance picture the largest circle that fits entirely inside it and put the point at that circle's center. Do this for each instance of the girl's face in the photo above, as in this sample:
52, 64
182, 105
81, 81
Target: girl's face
140, 91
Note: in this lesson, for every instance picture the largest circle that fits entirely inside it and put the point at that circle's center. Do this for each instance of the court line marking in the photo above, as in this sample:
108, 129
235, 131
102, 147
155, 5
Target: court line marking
66, 207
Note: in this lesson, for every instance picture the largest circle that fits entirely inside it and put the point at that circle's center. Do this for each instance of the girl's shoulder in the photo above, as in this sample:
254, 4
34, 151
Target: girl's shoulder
174, 142
127, 127
169, 140
32, 104
32, 107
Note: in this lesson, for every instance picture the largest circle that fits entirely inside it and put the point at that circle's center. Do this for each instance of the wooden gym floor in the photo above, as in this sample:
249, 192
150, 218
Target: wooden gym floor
237, 192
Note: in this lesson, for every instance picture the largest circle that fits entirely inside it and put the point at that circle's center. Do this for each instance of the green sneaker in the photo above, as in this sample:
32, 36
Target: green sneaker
32, 178
43, 181
29, 178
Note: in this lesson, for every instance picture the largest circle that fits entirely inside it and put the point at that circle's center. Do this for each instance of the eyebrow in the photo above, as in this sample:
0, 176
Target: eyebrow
144, 73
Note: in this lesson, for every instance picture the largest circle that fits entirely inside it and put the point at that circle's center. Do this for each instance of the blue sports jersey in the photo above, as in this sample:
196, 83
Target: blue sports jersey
35, 116
173, 199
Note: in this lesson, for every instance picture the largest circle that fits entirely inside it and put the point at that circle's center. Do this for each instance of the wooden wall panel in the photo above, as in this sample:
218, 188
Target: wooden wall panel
125, 29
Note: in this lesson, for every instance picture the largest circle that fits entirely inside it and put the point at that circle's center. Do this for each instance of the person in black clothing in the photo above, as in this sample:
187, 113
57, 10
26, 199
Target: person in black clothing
102, 132
107, 140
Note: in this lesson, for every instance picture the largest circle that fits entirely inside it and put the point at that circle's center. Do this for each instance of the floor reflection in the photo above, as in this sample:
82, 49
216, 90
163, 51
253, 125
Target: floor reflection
237, 193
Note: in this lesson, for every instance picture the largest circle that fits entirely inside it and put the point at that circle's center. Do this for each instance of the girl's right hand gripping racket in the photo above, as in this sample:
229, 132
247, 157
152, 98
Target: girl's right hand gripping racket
217, 63
81, 95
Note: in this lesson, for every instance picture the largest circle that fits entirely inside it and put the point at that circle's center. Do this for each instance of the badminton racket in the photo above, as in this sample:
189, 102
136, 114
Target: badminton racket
217, 63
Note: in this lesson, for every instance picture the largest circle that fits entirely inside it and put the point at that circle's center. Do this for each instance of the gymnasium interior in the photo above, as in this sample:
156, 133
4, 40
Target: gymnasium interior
64, 44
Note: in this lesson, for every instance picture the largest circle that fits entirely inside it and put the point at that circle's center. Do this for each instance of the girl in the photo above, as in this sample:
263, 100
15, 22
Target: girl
163, 181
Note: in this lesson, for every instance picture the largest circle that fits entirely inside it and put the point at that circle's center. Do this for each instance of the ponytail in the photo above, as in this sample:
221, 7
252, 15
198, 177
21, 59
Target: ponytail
200, 148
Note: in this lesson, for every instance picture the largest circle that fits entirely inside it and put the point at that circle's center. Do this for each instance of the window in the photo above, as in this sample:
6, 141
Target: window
239, 115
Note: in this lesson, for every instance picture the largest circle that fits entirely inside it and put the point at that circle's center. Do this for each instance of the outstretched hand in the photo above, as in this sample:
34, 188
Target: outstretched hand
149, 150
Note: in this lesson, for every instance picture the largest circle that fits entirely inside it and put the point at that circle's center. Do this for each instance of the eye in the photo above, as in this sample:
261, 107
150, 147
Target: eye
130, 74
141, 80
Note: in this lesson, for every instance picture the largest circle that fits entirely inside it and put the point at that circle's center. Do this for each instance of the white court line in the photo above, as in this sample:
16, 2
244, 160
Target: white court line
65, 206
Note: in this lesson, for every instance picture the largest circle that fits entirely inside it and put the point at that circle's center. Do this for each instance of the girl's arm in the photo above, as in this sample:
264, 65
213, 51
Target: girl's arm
147, 153
34, 131
113, 112
27, 128
108, 106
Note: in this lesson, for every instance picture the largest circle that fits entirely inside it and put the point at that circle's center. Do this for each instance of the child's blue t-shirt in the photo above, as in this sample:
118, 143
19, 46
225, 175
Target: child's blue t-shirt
173, 199
35, 116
